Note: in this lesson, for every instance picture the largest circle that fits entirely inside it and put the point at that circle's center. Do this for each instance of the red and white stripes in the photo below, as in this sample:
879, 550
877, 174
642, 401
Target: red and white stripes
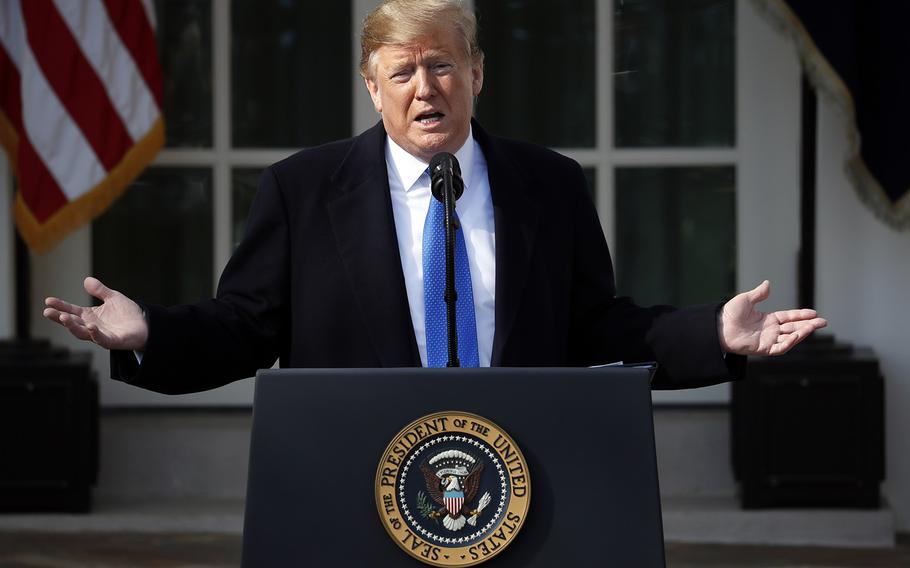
80, 107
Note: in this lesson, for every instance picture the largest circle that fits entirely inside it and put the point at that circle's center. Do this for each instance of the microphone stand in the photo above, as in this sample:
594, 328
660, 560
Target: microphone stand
451, 295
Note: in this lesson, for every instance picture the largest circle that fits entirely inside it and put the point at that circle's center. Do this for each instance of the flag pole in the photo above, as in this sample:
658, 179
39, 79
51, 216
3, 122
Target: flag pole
807, 194
23, 279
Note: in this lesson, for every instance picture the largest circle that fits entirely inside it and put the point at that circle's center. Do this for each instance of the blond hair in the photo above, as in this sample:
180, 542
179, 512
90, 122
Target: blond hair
400, 22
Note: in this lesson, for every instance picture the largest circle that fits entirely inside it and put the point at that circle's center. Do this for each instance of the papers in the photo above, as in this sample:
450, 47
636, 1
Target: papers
642, 365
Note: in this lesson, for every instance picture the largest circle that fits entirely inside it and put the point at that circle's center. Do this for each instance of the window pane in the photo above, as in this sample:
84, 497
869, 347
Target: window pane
155, 243
674, 72
291, 69
676, 234
539, 80
244, 184
185, 51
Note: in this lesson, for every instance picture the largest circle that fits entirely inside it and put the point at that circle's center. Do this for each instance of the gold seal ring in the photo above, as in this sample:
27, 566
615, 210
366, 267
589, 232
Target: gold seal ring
452, 489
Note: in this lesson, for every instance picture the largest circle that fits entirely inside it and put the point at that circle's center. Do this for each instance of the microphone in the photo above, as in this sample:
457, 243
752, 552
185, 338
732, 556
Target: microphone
447, 186
445, 173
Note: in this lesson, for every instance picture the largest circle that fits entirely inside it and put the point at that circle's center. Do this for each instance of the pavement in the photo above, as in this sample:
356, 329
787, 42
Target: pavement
34, 549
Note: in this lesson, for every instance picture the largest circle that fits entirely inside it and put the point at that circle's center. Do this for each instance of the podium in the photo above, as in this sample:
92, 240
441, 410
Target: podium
586, 436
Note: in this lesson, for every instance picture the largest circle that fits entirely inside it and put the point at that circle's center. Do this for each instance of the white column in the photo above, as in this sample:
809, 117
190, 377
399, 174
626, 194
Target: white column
768, 119
363, 114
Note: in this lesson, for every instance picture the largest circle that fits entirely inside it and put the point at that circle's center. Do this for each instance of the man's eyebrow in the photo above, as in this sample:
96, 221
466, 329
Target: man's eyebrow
403, 62
437, 54
397, 64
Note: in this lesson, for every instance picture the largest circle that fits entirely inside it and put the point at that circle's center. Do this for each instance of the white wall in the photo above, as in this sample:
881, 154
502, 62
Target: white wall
863, 288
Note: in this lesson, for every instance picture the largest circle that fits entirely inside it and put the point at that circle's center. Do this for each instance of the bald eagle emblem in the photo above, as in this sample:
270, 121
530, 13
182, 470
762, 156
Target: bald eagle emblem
452, 479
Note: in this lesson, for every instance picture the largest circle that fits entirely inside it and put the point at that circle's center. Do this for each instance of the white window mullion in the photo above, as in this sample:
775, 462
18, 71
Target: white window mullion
185, 157
221, 106
259, 157
586, 157
659, 157
652, 157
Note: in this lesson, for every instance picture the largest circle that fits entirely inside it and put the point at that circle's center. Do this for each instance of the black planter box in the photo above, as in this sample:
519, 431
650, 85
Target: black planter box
808, 429
48, 428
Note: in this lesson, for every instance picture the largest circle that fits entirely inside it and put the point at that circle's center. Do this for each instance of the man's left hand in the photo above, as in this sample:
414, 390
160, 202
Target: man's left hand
745, 330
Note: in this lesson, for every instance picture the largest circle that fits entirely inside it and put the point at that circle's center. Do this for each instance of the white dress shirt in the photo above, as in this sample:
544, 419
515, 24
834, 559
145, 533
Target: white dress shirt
410, 187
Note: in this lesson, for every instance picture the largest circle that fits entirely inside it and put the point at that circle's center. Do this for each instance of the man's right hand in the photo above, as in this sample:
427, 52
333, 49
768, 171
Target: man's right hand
118, 323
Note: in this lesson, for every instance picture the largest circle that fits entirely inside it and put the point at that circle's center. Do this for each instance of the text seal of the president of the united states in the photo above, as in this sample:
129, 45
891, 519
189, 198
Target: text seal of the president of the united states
452, 489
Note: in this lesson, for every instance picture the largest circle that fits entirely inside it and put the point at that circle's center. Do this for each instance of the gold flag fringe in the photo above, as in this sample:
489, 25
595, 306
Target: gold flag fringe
41, 236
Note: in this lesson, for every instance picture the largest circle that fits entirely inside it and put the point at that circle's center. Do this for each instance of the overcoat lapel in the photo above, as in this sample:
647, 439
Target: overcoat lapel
516, 212
360, 212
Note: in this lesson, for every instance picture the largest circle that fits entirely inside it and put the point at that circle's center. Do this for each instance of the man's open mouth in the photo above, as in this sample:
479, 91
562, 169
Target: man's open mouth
429, 117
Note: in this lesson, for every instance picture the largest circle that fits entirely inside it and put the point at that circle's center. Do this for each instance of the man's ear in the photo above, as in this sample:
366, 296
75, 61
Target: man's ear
477, 75
373, 88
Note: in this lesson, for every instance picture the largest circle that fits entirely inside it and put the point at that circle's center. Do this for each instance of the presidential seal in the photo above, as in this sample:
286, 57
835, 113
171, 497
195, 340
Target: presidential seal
452, 489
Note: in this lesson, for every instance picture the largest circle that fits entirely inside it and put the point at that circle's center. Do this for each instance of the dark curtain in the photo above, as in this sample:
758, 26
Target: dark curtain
867, 43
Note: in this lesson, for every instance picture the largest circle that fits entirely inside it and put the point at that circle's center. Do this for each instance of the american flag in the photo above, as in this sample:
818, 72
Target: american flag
80, 107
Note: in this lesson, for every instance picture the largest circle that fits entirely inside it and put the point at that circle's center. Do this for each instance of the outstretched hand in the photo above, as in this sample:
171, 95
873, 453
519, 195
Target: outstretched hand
745, 330
118, 323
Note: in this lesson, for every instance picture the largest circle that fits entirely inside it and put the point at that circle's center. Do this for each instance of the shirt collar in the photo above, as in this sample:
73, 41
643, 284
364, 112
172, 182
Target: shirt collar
409, 168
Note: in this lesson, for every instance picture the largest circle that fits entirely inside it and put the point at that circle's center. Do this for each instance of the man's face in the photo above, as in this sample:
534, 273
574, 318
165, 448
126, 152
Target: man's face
425, 92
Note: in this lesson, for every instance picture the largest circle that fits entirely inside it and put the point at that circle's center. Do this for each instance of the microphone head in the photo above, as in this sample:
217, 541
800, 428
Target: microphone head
445, 165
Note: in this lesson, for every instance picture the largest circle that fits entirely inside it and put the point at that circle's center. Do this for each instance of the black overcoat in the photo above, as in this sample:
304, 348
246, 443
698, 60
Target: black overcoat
317, 281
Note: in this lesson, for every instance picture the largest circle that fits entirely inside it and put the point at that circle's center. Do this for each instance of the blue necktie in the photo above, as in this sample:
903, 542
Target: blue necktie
434, 285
